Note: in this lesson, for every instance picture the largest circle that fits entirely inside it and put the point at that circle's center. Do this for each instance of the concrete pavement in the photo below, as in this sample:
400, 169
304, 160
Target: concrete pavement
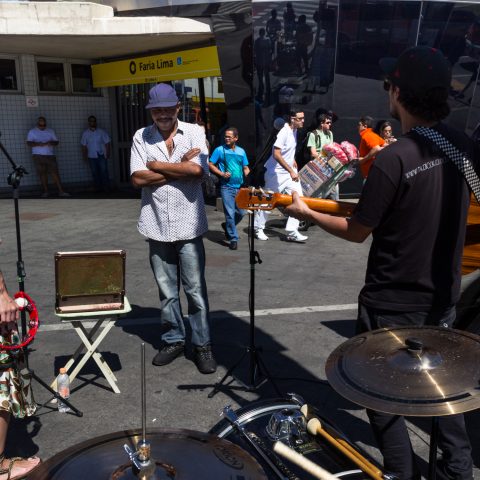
305, 299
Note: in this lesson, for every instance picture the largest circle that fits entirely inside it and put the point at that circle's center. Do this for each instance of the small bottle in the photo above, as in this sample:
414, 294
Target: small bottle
63, 388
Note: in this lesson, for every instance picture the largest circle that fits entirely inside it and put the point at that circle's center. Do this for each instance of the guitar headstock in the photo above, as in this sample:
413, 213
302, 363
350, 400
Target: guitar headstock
256, 199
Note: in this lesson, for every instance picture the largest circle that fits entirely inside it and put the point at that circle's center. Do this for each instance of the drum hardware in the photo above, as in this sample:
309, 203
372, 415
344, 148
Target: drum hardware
141, 458
288, 426
301, 461
276, 466
14, 179
258, 374
408, 371
256, 419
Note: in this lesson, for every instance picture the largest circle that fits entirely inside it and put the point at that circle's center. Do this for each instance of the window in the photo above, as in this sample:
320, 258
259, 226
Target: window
8, 74
51, 77
82, 78
58, 75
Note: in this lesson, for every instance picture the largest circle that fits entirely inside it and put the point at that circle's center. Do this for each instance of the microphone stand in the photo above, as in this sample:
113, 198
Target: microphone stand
14, 179
258, 372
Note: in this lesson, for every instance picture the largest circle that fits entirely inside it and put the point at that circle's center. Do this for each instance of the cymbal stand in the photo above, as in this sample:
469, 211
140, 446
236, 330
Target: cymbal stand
432, 453
258, 373
14, 179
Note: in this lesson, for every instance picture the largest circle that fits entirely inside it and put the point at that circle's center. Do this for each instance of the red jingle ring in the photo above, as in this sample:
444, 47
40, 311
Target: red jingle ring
33, 323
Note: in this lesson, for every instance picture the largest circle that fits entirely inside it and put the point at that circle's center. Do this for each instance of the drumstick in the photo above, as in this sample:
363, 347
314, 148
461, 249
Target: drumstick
314, 427
339, 442
303, 462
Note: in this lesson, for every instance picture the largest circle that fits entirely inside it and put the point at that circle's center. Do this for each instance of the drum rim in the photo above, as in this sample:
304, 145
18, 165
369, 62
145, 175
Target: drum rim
250, 412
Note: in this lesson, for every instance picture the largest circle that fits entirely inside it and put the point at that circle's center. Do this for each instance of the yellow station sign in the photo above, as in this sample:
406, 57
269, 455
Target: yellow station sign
196, 63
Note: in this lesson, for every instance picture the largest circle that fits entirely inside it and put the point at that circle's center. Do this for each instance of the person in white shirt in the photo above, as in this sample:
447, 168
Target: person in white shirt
96, 150
281, 175
42, 140
169, 161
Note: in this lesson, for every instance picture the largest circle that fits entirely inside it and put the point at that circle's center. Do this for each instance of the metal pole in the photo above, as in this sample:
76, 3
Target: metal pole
144, 396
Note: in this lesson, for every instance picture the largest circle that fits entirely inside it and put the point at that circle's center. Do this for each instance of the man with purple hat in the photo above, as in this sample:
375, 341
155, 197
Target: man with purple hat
169, 160
414, 204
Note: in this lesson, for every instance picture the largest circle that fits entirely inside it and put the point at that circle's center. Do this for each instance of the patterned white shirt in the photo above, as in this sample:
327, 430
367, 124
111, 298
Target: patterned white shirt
174, 211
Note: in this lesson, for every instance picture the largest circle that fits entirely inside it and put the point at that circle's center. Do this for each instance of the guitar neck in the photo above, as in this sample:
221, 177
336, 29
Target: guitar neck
332, 207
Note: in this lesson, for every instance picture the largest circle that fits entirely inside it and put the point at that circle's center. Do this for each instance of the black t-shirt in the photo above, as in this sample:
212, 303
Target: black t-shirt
416, 201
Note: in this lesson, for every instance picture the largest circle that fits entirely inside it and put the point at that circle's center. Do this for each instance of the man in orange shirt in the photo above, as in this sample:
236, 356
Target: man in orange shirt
370, 144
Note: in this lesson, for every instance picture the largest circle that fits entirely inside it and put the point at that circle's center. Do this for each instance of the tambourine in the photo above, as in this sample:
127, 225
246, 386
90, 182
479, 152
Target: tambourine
24, 302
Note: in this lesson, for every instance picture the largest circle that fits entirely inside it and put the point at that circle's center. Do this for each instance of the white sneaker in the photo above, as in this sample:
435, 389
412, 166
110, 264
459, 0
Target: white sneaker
296, 236
260, 235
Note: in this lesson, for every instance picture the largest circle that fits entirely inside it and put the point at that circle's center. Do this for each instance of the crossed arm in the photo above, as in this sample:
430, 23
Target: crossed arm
159, 173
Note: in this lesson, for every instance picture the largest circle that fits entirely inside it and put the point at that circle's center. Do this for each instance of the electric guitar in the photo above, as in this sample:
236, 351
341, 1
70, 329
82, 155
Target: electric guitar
257, 199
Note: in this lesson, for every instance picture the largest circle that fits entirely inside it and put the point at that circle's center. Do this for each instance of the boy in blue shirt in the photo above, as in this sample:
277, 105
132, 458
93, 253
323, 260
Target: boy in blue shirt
229, 162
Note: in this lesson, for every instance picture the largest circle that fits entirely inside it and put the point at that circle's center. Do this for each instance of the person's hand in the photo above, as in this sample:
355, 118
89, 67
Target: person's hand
294, 175
226, 175
194, 152
8, 308
298, 209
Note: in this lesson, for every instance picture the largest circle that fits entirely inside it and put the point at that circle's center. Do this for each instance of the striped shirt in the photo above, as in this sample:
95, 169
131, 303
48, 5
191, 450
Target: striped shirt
174, 211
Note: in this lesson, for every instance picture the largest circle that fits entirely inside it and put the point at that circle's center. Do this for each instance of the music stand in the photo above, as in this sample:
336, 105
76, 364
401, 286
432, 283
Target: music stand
258, 373
14, 179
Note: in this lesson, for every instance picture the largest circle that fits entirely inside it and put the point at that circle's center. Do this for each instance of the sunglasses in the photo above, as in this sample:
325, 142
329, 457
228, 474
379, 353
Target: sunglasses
386, 85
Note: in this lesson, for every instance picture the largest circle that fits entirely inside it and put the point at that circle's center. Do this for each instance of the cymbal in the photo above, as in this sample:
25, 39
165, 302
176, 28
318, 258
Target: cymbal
179, 454
418, 371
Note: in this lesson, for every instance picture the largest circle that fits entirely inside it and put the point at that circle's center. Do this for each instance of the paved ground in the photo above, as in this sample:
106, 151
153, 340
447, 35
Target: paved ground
305, 307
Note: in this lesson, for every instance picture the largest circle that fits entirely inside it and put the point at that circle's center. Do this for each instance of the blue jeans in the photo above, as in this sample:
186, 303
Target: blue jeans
99, 168
391, 432
233, 214
187, 258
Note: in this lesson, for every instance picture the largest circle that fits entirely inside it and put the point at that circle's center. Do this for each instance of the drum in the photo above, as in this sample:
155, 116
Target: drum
268, 421
176, 455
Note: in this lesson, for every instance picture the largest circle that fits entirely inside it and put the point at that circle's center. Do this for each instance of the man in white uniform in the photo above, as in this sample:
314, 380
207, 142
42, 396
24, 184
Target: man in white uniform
42, 140
282, 175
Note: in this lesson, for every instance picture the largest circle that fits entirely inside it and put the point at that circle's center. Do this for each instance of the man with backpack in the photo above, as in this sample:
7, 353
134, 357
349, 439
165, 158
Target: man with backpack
317, 139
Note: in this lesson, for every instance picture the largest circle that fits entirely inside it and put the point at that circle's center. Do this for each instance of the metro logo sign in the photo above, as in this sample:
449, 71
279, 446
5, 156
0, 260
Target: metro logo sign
196, 63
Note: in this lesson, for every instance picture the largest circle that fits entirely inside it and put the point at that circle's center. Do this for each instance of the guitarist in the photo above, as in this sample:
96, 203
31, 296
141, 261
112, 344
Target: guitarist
414, 203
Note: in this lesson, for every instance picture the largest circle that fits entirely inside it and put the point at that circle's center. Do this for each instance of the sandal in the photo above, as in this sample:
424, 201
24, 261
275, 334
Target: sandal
11, 462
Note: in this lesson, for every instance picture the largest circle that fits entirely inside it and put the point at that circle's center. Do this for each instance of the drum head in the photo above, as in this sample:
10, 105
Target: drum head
255, 419
190, 455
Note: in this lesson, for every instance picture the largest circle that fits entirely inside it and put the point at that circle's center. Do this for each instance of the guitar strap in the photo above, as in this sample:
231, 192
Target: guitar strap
460, 159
